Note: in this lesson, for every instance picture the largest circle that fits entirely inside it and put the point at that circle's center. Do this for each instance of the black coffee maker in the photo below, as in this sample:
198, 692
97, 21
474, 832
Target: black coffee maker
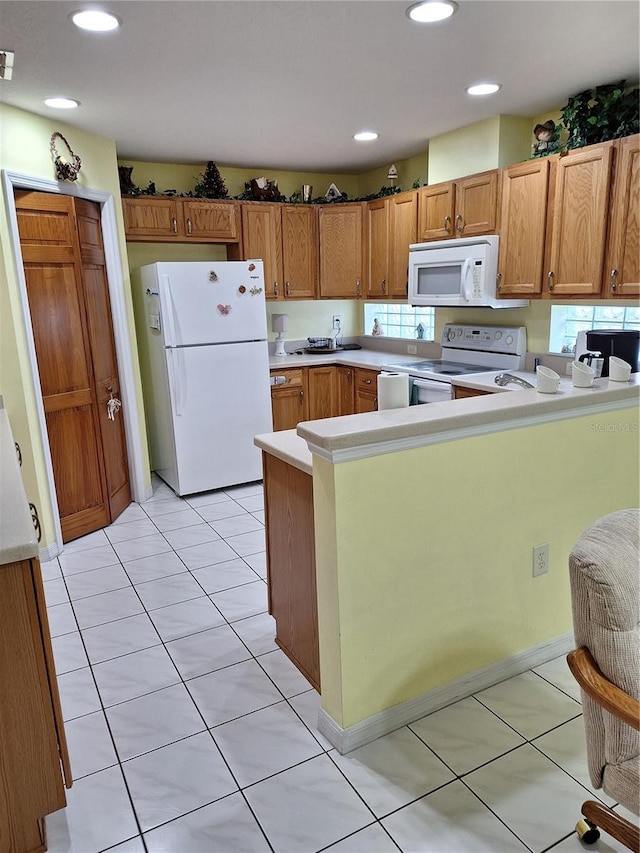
603, 343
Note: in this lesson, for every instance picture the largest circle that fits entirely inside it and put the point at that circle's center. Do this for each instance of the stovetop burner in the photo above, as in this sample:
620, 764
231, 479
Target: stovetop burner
437, 367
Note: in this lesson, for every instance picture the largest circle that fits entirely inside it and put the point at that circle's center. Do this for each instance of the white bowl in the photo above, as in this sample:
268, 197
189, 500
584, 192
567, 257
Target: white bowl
547, 380
619, 370
582, 375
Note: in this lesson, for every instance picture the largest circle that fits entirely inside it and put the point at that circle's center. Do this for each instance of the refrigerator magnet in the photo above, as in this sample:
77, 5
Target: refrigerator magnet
224, 309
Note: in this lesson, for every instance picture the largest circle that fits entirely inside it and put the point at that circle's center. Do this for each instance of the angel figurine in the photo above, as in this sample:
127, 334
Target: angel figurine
377, 328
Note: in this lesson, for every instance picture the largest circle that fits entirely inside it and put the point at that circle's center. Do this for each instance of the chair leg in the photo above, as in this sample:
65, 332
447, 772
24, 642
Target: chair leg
599, 815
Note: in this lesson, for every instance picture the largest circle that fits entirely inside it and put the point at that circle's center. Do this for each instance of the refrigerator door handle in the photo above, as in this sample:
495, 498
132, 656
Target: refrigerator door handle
168, 311
173, 356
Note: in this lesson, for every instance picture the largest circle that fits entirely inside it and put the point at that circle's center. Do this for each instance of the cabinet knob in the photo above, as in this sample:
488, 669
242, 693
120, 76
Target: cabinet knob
550, 280
367, 381
447, 224
613, 284
459, 224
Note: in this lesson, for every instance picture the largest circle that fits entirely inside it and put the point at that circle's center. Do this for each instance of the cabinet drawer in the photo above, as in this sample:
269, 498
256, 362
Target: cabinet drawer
293, 378
366, 380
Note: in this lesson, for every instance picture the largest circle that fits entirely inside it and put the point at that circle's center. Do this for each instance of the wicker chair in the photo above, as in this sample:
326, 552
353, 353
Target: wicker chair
604, 569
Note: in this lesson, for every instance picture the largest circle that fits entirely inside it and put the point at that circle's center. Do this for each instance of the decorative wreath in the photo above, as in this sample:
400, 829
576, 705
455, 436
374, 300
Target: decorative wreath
65, 170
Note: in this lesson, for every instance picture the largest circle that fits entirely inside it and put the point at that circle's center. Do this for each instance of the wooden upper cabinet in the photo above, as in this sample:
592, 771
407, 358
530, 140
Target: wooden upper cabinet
403, 228
622, 271
522, 236
262, 238
342, 241
378, 238
162, 219
211, 220
579, 221
299, 251
463, 208
147, 218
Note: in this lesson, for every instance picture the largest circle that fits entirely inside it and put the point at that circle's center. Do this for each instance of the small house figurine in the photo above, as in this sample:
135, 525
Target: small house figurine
377, 328
420, 330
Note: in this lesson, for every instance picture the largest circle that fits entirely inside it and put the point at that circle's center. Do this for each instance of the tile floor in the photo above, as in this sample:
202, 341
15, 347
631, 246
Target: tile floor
191, 732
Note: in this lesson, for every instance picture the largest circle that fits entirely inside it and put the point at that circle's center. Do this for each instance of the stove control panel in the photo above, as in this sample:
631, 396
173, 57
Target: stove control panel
510, 340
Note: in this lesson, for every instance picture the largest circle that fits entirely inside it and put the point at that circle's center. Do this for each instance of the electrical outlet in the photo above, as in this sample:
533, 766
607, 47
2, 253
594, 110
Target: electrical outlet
412, 349
540, 560
568, 368
336, 322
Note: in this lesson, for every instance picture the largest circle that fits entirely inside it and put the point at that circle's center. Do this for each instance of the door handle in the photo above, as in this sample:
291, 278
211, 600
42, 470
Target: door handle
459, 224
113, 406
550, 280
188, 226
447, 224
613, 284
275, 288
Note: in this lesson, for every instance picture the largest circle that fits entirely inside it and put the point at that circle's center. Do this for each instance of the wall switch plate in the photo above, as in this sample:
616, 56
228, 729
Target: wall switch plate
336, 323
540, 564
412, 349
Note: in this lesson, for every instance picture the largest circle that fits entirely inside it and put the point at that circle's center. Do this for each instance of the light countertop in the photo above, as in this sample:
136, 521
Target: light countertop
366, 358
287, 446
17, 535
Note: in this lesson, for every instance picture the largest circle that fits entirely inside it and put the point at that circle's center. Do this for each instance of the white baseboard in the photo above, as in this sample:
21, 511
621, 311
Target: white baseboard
400, 715
48, 553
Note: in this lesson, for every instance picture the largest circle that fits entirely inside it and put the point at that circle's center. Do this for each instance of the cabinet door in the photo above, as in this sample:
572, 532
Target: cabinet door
435, 212
476, 205
289, 404
378, 240
323, 393
152, 218
524, 213
346, 401
262, 238
341, 250
366, 390
211, 221
403, 226
365, 401
299, 251
579, 225
622, 273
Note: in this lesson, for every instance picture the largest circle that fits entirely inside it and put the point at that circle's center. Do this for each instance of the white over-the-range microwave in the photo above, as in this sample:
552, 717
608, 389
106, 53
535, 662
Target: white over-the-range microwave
458, 272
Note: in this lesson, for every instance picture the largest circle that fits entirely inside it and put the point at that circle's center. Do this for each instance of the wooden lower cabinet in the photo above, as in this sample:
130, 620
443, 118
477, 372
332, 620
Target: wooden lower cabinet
289, 400
323, 388
460, 392
365, 391
291, 565
346, 388
34, 761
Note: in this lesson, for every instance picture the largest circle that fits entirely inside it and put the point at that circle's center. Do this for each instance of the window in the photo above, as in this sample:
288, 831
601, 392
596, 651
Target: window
568, 320
398, 320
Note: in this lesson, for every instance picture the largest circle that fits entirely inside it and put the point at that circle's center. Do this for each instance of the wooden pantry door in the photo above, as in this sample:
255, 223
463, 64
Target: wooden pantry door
71, 320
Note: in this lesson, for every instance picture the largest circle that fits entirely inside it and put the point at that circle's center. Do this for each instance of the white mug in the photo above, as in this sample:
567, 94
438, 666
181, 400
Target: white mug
619, 370
582, 375
547, 380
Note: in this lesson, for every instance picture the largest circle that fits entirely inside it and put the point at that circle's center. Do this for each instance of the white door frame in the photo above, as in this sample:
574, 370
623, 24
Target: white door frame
124, 355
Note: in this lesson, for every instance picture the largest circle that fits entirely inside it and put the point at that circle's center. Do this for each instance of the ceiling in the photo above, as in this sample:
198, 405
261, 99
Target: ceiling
286, 83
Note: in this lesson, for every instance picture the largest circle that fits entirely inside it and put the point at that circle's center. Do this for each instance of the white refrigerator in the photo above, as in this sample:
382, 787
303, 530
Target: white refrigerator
202, 333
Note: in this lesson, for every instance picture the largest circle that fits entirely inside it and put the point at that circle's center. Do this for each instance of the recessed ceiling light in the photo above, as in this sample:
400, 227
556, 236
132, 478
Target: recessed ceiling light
484, 88
60, 103
365, 136
94, 20
430, 11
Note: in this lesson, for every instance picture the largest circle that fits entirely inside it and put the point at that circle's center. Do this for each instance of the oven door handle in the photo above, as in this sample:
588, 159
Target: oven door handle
430, 383
467, 285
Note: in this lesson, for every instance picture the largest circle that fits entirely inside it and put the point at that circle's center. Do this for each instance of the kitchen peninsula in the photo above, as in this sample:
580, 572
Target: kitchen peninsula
425, 519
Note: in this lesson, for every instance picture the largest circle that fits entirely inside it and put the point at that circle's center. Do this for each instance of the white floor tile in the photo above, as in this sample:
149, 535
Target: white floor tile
134, 675
196, 534
131, 530
133, 512
373, 839
134, 845
226, 826
169, 590
248, 543
98, 815
207, 498
188, 617
265, 742
50, 570
307, 705
90, 745
206, 554
154, 720
107, 607
466, 735
287, 677
61, 619
113, 639
229, 693
152, 568
224, 575
78, 694
68, 652
557, 672
241, 602
392, 771
257, 633
259, 516
97, 581
86, 559
222, 509
450, 820
529, 704
91, 540
198, 776
227, 527
258, 562
207, 651
530, 794
55, 591
164, 505
246, 490
252, 503
177, 520
145, 546
307, 807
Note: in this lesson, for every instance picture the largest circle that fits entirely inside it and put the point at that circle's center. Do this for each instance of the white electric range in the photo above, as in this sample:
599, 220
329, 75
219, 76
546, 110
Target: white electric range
465, 350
